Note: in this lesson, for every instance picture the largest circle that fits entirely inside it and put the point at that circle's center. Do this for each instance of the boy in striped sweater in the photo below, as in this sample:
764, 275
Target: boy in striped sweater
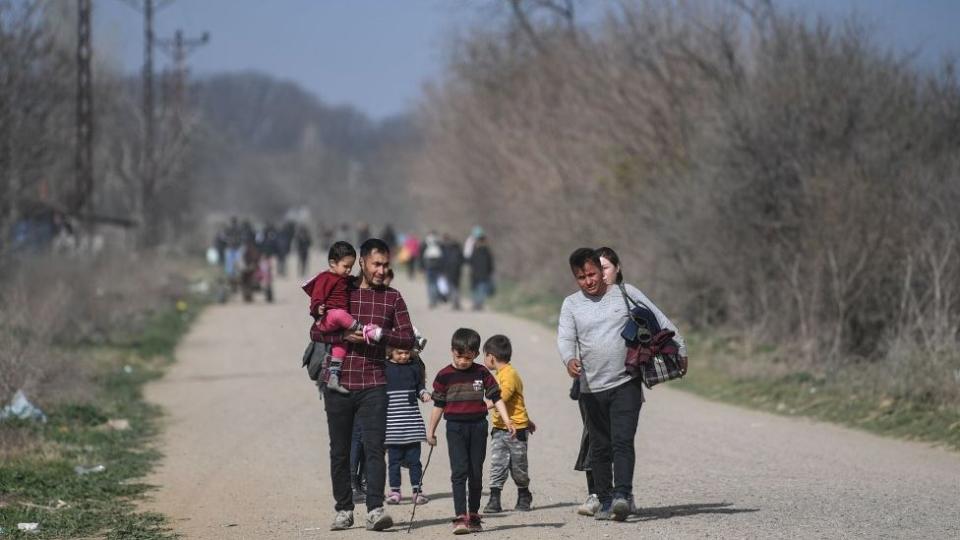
405, 431
459, 391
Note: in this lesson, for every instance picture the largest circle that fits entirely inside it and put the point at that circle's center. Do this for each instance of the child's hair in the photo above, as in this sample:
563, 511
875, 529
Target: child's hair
391, 350
465, 340
498, 346
340, 250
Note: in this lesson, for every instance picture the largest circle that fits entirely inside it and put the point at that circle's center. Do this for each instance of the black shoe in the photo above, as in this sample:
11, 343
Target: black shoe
524, 501
493, 504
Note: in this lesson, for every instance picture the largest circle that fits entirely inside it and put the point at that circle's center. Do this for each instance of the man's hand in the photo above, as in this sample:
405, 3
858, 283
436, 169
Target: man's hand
321, 309
355, 337
431, 439
425, 397
574, 368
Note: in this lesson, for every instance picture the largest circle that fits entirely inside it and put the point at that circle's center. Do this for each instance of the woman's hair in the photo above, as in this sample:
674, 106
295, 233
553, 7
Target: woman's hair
611, 255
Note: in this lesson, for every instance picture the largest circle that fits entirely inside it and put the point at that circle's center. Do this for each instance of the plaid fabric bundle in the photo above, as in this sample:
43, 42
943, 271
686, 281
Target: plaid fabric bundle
656, 361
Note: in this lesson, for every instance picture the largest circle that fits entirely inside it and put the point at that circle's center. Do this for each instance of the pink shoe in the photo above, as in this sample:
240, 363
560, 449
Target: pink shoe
420, 498
372, 333
394, 497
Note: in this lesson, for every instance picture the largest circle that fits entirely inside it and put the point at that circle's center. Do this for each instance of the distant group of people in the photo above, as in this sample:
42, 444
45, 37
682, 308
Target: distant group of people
442, 259
375, 377
240, 242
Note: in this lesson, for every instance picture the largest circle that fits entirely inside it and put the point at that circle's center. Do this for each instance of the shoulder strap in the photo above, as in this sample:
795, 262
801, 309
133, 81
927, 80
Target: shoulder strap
627, 299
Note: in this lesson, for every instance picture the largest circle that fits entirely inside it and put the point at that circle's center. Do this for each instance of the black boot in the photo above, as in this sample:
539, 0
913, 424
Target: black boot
524, 500
493, 504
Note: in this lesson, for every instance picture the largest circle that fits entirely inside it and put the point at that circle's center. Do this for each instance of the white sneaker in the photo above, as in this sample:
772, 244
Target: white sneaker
343, 521
378, 519
590, 506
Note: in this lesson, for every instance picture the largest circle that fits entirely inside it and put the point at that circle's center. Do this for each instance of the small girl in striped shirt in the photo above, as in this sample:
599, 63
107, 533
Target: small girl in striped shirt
405, 428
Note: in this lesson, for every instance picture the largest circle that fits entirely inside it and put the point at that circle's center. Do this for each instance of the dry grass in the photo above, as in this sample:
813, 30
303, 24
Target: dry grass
56, 307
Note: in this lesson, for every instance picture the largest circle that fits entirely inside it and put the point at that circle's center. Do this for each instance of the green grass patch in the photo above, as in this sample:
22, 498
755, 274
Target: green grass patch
41, 484
527, 302
849, 396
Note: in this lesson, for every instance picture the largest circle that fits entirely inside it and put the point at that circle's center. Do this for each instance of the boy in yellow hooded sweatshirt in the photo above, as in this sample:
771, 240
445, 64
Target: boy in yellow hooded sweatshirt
508, 455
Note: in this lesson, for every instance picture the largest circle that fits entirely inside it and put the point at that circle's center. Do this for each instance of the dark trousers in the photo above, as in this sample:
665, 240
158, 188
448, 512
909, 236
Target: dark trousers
404, 455
369, 409
612, 417
356, 455
467, 446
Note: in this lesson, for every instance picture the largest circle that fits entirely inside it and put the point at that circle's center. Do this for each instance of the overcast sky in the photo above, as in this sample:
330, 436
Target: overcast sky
375, 54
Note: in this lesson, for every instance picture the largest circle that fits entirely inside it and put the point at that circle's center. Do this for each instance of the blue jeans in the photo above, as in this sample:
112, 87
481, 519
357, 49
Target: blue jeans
481, 290
404, 455
433, 294
231, 263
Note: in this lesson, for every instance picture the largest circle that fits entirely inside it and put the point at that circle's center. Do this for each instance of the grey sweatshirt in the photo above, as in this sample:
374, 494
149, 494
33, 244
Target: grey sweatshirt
592, 326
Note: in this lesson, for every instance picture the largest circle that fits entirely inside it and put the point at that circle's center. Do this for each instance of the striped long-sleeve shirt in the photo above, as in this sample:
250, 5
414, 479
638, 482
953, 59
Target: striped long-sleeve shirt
460, 392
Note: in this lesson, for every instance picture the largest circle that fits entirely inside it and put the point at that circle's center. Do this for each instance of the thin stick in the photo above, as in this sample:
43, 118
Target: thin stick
422, 476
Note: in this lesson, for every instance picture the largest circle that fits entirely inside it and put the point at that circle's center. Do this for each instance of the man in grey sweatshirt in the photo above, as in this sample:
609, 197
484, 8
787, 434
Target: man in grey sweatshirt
591, 348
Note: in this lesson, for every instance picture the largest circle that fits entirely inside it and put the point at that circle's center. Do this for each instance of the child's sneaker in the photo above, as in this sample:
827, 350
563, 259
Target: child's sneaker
589, 506
474, 524
333, 382
461, 525
420, 498
394, 497
372, 333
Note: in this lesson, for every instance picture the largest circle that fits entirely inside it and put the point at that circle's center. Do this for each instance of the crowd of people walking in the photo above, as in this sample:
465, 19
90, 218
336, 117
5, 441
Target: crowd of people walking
374, 378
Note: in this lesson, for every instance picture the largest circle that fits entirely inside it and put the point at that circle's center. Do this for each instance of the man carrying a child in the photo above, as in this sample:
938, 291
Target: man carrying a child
363, 375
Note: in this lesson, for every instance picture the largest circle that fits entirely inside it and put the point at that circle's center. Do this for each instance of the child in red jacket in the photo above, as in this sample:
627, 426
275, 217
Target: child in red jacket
329, 289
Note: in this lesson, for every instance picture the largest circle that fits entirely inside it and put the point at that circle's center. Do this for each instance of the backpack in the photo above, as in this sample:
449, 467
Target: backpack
313, 358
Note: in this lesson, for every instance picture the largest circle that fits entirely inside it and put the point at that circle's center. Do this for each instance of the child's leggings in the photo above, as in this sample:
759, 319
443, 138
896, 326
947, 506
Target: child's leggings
404, 455
332, 321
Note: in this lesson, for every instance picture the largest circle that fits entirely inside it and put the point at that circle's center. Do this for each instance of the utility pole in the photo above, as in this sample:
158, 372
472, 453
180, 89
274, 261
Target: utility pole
84, 144
148, 180
178, 49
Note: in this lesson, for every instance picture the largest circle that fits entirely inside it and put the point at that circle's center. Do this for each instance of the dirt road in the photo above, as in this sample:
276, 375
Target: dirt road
247, 451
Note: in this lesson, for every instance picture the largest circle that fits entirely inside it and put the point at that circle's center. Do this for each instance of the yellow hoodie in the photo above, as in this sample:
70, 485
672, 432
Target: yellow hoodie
511, 391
